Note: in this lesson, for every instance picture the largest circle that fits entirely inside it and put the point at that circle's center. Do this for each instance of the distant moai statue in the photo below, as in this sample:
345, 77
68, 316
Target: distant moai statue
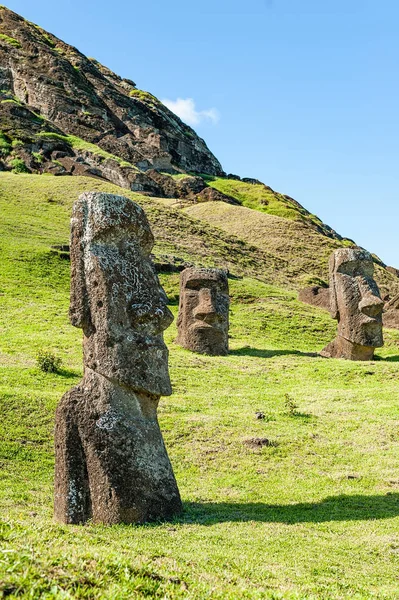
356, 303
111, 463
203, 321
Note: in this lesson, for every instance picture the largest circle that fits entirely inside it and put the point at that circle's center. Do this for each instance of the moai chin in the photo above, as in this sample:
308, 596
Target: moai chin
356, 304
203, 321
111, 463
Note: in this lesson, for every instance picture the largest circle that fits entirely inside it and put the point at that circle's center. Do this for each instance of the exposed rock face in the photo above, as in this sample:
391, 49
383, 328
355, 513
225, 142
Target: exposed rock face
390, 318
316, 296
356, 304
203, 321
111, 462
209, 194
81, 97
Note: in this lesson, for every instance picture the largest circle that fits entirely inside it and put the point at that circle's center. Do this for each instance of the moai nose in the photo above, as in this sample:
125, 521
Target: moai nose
371, 305
205, 309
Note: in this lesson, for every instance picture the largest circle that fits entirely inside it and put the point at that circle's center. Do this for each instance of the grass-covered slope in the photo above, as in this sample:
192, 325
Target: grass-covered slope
305, 250
292, 238
261, 197
314, 513
43, 205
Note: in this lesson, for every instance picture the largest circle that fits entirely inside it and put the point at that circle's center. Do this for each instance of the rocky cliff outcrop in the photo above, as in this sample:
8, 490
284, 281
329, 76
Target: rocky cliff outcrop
56, 89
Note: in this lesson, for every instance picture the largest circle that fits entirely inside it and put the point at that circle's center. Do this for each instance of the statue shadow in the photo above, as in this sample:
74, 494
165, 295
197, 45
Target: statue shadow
394, 358
261, 353
333, 508
68, 374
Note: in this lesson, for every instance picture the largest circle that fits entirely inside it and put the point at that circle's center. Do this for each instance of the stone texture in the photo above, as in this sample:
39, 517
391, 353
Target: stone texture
81, 97
111, 462
316, 296
203, 321
209, 194
390, 317
356, 304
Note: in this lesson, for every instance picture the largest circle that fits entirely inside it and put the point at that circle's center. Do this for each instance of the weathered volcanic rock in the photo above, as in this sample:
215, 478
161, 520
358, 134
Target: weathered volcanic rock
209, 194
356, 303
81, 97
203, 321
390, 317
111, 463
316, 296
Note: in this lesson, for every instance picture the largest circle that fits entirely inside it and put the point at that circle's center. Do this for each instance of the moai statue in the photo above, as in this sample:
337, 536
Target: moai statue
203, 321
356, 304
111, 463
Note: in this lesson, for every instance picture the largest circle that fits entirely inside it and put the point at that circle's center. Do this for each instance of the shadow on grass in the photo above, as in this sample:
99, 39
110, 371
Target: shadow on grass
68, 374
394, 358
334, 508
260, 353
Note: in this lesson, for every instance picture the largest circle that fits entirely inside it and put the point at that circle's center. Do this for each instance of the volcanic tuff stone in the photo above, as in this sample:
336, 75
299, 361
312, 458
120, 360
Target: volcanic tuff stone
356, 304
81, 97
390, 317
111, 462
203, 321
316, 296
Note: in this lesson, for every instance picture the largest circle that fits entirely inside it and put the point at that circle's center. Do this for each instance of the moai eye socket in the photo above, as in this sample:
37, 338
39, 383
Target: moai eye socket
356, 304
203, 315
113, 410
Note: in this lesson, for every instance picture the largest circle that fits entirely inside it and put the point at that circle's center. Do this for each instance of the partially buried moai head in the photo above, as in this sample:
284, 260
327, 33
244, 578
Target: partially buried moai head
203, 321
356, 303
116, 297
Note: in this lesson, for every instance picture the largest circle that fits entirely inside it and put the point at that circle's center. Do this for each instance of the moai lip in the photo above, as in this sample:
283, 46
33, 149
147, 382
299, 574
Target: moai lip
111, 461
203, 321
356, 304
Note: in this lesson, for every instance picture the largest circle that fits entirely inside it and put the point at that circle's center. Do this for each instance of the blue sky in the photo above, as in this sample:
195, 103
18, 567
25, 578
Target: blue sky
300, 94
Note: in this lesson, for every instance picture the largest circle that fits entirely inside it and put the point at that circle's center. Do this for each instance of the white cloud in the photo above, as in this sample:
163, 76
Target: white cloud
185, 109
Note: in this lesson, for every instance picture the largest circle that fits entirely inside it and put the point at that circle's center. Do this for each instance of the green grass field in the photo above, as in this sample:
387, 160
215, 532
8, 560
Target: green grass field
312, 514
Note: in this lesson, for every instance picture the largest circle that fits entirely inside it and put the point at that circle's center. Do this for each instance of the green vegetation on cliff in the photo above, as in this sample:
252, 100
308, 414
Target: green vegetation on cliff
313, 513
78, 144
9, 40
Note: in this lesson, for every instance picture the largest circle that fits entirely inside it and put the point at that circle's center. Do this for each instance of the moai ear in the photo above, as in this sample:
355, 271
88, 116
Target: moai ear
79, 309
333, 289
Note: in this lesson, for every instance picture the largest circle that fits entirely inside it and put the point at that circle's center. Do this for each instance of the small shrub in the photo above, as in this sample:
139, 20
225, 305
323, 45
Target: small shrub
5, 146
38, 156
144, 96
290, 406
18, 166
48, 362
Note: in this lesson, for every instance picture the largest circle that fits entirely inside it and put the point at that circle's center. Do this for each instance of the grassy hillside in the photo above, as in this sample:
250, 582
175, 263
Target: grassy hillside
306, 251
261, 197
44, 205
278, 225
314, 513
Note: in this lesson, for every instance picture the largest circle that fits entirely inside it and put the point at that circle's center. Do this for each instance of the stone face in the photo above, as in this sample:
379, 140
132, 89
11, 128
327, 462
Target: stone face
356, 304
111, 462
203, 321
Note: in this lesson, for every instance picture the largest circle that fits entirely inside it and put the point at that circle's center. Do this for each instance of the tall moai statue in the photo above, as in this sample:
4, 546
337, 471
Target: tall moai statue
203, 321
111, 463
356, 303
